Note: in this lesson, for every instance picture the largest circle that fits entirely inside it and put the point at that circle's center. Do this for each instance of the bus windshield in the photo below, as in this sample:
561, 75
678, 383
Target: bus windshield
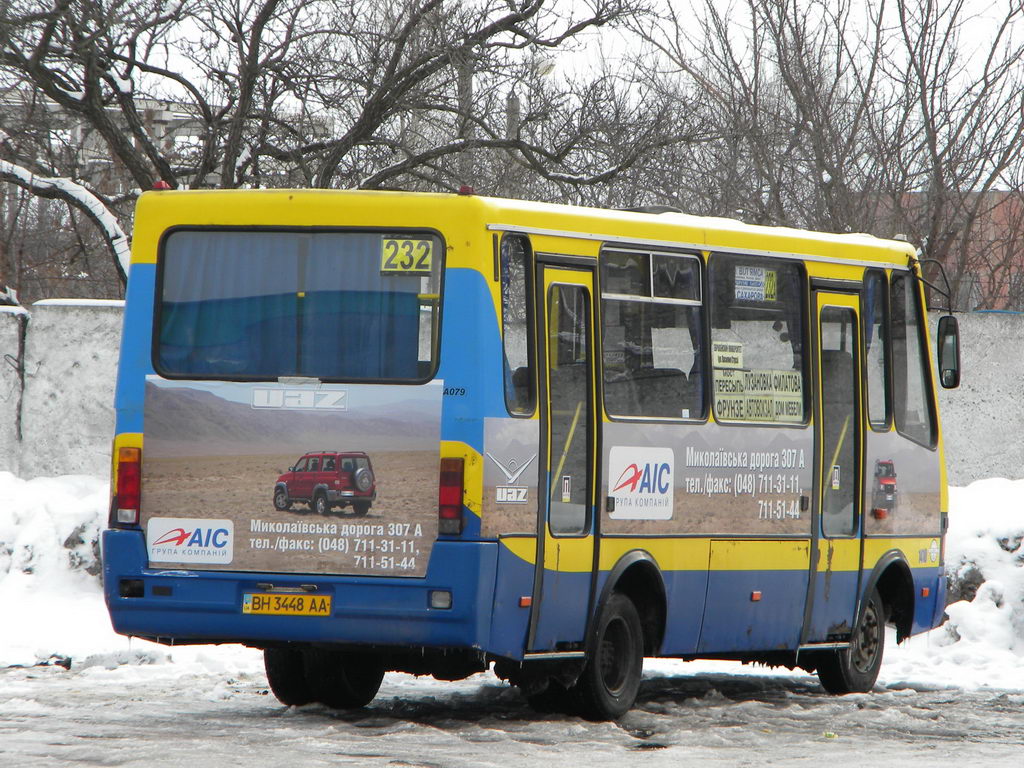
244, 304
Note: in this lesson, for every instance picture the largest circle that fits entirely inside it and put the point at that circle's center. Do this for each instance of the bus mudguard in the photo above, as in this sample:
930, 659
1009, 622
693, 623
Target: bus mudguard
637, 576
892, 577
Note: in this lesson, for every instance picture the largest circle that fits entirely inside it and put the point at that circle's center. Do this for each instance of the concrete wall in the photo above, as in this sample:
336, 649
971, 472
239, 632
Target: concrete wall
983, 419
71, 352
67, 409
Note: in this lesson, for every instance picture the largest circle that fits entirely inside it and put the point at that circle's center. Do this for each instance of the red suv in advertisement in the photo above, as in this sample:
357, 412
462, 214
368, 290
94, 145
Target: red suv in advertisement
326, 479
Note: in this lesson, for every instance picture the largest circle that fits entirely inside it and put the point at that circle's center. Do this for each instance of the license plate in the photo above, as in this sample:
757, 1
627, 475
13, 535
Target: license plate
287, 605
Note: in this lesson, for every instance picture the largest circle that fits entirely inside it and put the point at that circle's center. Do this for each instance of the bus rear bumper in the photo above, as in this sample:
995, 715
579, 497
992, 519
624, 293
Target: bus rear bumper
190, 606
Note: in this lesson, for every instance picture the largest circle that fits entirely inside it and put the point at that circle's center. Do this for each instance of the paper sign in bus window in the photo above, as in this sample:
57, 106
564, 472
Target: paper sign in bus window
727, 354
759, 395
756, 284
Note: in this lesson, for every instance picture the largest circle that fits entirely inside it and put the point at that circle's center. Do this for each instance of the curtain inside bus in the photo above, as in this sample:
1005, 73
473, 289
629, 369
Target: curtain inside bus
260, 305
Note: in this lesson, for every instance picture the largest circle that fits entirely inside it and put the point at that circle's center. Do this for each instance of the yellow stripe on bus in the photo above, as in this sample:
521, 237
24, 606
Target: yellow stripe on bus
918, 551
720, 554
747, 555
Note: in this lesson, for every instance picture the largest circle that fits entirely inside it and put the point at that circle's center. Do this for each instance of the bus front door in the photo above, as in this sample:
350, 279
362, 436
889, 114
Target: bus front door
563, 580
836, 555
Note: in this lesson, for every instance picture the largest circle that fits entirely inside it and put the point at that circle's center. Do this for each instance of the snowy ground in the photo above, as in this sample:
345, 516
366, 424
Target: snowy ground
953, 696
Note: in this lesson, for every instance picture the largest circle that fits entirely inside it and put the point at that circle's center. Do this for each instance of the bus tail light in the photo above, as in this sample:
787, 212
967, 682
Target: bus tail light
449, 496
129, 487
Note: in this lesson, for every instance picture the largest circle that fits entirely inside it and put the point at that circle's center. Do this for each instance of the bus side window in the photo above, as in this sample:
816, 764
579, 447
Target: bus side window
912, 406
757, 333
651, 334
876, 344
516, 317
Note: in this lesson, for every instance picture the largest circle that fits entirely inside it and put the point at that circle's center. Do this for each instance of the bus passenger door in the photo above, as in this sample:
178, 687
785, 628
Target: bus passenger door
565, 518
836, 554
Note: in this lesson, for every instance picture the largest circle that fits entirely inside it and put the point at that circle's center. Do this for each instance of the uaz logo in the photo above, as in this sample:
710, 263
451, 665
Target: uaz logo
511, 493
653, 478
303, 399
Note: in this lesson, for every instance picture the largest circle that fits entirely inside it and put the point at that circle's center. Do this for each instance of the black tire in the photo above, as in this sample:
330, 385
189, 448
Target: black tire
281, 501
855, 669
343, 680
610, 681
320, 505
360, 508
287, 676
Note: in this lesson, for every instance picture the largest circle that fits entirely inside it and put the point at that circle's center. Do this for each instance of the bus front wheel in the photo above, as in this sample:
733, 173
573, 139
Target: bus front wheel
610, 681
855, 669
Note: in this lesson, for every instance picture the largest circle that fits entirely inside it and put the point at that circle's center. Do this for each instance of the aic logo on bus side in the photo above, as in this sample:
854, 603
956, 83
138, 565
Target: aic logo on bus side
641, 484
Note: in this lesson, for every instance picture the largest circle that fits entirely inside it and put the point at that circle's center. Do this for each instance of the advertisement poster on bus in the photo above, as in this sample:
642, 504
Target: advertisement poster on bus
291, 478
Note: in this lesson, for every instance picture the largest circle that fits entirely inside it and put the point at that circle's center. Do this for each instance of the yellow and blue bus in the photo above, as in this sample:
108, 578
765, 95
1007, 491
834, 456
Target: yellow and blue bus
440, 433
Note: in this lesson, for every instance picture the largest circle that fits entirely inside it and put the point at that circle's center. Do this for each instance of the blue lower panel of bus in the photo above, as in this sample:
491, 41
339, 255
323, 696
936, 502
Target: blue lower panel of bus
686, 593
510, 621
928, 610
930, 615
834, 611
753, 610
204, 606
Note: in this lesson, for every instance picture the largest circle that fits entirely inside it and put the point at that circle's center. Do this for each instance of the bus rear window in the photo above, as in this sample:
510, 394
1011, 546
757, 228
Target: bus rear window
238, 304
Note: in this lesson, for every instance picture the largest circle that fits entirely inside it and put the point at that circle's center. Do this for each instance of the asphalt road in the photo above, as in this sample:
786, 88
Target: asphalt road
160, 717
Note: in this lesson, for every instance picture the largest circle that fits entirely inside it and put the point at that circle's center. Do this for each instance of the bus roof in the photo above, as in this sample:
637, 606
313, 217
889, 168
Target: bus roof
159, 210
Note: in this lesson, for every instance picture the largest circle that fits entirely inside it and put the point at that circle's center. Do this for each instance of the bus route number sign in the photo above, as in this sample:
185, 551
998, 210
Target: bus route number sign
404, 256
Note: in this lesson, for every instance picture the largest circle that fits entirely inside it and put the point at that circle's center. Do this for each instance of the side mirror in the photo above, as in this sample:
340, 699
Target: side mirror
949, 352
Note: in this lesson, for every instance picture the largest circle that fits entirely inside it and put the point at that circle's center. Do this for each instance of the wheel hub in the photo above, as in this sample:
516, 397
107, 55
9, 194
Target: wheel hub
866, 641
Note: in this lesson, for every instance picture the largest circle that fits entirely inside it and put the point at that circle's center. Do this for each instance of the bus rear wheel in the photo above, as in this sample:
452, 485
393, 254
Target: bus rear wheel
610, 681
855, 669
343, 679
287, 676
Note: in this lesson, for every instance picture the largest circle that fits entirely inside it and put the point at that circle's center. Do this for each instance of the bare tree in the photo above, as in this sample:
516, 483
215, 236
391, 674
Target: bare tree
901, 117
963, 137
327, 93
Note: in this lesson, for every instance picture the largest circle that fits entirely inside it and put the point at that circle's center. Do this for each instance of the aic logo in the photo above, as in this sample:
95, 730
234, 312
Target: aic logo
641, 482
302, 399
184, 540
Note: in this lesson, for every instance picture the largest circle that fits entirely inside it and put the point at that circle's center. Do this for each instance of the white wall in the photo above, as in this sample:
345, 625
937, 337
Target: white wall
983, 419
71, 360
67, 413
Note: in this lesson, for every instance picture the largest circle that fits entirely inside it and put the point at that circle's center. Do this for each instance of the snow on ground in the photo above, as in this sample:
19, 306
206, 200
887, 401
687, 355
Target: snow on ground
54, 611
